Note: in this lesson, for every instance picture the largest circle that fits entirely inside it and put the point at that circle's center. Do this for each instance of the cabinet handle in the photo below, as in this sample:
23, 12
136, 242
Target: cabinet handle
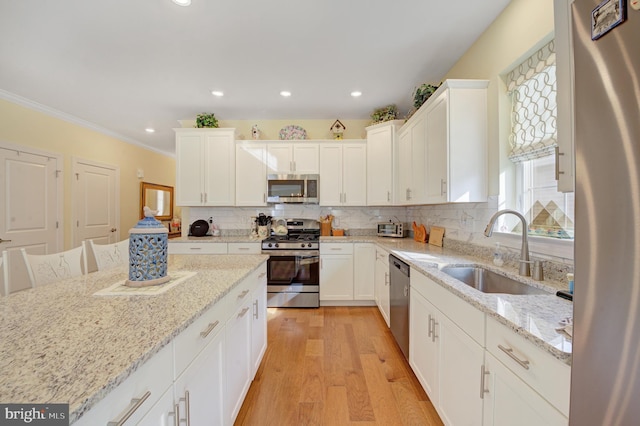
187, 408
201, 198
195, 248
388, 195
243, 294
345, 198
430, 326
209, 329
243, 248
244, 311
264, 197
406, 290
483, 373
336, 249
205, 197
523, 363
135, 404
443, 185
558, 154
386, 278
176, 415
255, 309
435, 324
262, 274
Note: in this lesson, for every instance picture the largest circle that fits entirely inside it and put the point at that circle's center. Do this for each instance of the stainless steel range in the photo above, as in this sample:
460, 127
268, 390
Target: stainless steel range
293, 268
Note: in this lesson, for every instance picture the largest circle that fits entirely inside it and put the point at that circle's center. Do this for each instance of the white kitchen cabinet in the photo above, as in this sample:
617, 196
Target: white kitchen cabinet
565, 164
343, 174
205, 167
137, 394
336, 271
161, 414
411, 182
382, 295
382, 141
251, 174
293, 158
460, 362
510, 401
423, 348
238, 359
244, 248
259, 322
197, 248
204, 382
456, 138
544, 374
364, 264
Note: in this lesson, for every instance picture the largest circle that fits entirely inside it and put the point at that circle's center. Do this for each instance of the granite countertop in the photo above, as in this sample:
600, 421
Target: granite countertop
534, 317
61, 343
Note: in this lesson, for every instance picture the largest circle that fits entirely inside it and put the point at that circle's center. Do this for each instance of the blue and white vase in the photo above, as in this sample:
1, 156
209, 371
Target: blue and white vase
148, 243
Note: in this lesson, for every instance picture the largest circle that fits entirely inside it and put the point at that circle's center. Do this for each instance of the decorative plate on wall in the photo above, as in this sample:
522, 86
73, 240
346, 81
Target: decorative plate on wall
292, 132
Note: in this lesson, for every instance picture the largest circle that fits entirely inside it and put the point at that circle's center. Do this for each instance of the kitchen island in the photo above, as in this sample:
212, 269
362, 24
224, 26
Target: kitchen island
63, 344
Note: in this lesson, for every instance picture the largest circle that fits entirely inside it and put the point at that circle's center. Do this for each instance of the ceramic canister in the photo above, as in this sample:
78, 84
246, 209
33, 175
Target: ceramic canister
148, 242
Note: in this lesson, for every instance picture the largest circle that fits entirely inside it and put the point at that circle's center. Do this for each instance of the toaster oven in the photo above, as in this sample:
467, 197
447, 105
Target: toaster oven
391, 229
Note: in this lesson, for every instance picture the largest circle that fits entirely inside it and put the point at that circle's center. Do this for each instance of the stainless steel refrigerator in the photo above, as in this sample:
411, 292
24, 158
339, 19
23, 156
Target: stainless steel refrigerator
605, 376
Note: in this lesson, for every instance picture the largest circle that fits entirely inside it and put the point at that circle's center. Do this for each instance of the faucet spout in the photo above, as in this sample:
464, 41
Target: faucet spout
525, 268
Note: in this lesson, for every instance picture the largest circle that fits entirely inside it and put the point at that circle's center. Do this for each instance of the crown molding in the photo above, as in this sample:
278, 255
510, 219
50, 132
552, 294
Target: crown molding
28, 103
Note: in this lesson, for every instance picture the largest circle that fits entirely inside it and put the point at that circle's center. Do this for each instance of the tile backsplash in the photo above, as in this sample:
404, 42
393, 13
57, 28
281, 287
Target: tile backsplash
464, 223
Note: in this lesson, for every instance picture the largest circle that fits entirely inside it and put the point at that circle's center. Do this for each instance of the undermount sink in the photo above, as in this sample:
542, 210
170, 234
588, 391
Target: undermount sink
489, 282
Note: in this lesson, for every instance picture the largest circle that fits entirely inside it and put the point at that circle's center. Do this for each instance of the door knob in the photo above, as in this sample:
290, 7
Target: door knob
113, 229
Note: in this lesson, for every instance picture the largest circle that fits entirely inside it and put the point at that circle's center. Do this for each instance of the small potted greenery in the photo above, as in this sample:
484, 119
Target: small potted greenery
380, 115
206, 120
422, 93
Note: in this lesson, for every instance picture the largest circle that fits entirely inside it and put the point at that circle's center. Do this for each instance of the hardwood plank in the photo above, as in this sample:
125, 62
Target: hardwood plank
334, 366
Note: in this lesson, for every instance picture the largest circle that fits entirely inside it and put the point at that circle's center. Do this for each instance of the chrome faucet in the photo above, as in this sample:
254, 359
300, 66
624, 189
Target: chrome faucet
525, 269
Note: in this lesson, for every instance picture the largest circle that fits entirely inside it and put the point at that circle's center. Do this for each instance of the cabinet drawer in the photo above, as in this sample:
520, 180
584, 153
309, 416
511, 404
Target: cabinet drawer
197, 248
336, 248
194, 338
152, 378
465, 316
547, 375
242, 292
244, 248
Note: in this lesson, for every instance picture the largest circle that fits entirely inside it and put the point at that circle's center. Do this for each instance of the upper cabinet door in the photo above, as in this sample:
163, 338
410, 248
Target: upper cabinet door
331, 175
251, 174
354, 175
219, 169
565, 168
280, 158
306, 158
189, 170
381, 155
437, 138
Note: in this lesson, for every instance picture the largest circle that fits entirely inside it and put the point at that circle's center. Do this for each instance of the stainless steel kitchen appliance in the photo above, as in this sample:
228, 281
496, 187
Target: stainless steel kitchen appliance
293, 272
605, 379
391, 229
399, 302
297, 189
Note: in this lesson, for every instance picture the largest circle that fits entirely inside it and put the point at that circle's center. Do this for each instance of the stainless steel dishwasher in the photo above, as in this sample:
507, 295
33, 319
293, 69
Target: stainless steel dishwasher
399, 302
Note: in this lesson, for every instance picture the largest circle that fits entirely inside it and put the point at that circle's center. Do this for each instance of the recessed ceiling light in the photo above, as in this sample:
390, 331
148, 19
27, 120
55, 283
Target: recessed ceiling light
285, 93
149, 130
217, 93
356, 93
182, 2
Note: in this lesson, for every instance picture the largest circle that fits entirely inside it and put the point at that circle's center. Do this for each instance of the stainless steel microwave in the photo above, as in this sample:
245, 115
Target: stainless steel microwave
391, 229
301, 189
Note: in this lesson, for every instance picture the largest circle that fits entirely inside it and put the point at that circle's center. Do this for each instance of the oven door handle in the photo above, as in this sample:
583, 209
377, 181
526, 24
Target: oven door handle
306, 260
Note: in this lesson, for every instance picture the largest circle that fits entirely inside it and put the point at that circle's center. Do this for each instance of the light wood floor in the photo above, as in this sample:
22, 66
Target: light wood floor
334, 366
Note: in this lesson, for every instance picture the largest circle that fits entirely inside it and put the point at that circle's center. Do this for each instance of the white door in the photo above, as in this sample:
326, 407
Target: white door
330, 175
96, 197
354, 175
31, 213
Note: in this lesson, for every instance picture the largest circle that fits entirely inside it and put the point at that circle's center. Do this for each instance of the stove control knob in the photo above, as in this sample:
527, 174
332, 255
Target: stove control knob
277, 245
309, 245
302, 245
270, 245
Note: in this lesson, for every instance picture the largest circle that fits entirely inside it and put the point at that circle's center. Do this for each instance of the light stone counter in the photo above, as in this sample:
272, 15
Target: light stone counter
222, 239
534, 317
60, 343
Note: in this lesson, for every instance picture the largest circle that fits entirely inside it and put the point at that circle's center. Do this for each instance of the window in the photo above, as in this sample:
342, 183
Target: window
532, 86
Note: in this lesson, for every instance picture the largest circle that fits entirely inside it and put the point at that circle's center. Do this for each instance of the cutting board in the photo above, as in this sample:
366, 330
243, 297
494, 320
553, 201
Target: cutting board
436, 236
419, 233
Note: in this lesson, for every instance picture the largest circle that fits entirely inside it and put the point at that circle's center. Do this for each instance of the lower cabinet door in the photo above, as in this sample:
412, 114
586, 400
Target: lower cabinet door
162, 413
238, 360
258, 326
460, 361
423, 344
199, 391
510, 401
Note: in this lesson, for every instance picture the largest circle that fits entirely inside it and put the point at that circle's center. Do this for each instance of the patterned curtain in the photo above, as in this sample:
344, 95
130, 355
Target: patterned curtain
532, 85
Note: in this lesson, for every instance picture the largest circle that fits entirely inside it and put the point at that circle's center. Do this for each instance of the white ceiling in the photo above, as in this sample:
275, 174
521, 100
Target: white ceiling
127, 65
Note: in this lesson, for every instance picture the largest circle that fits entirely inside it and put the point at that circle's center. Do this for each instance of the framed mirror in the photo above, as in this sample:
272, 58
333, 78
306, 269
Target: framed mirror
157, 197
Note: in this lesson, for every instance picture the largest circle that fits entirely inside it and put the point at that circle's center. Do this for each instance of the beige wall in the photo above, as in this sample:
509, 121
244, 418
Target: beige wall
270, 129
23, 126
522, 26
